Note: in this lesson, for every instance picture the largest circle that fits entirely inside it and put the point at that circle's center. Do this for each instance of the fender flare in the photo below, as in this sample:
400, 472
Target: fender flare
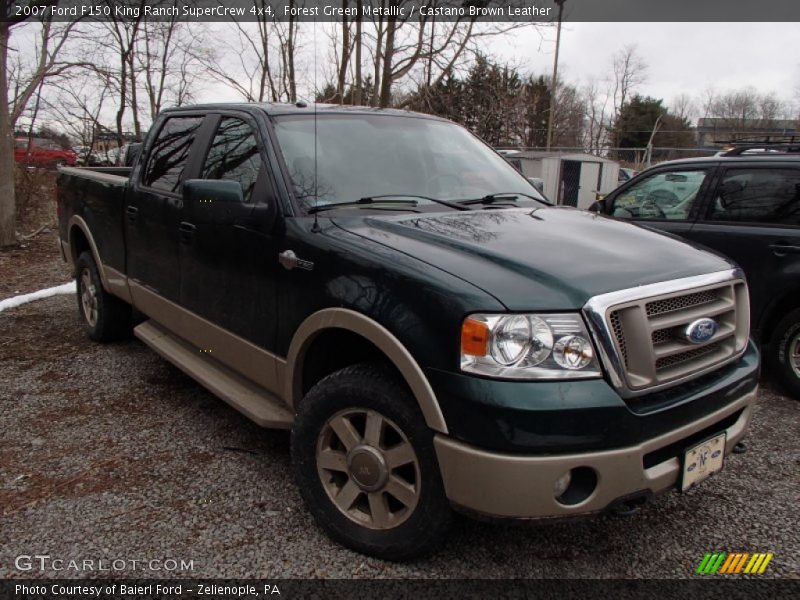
378, 335
77, 221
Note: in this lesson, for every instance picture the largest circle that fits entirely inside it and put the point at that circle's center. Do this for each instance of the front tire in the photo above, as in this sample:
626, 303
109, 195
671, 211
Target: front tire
106, 317
785, 353
365, 464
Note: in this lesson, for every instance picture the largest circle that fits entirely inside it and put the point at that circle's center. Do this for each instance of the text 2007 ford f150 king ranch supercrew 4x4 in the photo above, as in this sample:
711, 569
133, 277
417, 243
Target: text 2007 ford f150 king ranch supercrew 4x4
434, 334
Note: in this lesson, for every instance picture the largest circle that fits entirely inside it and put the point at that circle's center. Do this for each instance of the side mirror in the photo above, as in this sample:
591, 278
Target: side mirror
599, 206
213, 201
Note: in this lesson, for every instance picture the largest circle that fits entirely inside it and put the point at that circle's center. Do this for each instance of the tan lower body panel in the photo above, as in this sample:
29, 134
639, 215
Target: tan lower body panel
256, 364
514, 486
258, 404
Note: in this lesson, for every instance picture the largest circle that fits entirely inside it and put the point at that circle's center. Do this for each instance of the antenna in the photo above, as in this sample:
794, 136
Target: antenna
315, 228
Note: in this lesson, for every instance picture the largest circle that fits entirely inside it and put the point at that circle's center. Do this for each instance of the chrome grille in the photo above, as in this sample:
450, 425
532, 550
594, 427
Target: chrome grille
676, 359
643, 330
616, 325
660, 336
679, 302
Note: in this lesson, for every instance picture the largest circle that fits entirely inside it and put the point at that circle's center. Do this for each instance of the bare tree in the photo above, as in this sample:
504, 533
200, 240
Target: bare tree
630, 71
401, 46
78, 102
597, 121
16, 94
258, 61
683, 107
747, 107
167, 67
120, 38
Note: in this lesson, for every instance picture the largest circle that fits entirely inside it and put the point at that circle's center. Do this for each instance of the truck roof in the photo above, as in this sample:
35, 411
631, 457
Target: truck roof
300, 108
722, 159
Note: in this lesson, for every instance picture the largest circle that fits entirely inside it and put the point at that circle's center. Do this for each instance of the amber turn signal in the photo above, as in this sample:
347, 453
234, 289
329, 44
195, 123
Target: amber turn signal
474, 338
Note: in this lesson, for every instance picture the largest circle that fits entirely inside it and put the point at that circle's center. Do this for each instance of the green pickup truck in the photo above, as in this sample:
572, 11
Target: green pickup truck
433, 332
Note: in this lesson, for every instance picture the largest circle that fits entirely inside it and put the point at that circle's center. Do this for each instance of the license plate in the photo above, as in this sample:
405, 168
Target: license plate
703, 460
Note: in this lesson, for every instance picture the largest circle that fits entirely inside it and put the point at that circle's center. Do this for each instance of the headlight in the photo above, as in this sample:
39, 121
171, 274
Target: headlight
544, 346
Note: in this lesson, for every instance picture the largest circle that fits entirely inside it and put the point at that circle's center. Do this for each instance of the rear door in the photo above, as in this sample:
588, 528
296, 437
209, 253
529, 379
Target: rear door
753, 216
667, 199
155, 204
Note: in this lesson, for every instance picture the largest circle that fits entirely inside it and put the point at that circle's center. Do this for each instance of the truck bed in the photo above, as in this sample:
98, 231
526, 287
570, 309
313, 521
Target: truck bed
95, 197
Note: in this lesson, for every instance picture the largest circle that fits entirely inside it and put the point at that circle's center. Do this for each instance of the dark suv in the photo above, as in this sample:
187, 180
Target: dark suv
745, 204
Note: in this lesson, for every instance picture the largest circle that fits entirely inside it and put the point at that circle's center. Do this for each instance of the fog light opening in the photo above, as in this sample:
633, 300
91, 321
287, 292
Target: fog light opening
578, 484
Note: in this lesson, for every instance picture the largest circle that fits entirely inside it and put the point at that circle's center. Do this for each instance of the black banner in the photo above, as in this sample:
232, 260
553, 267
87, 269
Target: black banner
126, 589
408, 10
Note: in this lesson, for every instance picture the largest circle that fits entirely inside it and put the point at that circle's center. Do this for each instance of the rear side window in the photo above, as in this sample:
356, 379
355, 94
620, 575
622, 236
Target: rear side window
234, 155
753, 195
170, 152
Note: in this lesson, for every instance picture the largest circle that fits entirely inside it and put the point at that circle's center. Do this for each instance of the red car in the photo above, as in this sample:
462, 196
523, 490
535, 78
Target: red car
42, 153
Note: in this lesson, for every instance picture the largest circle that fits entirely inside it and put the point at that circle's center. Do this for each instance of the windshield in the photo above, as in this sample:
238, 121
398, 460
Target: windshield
367, 156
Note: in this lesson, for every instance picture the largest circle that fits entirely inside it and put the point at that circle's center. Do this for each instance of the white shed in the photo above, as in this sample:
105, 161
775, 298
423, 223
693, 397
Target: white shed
573, 179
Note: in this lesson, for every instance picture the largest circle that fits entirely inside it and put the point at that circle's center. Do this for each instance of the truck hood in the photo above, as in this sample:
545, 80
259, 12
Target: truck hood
551, 258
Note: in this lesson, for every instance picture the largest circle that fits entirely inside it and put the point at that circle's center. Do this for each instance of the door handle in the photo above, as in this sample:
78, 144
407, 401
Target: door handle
781, 249
132, 212
186, 232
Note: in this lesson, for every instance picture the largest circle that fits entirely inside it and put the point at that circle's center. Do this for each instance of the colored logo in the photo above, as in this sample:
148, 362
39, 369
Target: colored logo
701, 330
734, 563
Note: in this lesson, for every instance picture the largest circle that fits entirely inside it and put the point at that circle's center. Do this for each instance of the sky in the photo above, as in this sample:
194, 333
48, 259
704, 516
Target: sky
682, 57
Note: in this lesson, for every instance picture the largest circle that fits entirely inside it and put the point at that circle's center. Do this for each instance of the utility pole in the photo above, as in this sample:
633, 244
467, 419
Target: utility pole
554, 81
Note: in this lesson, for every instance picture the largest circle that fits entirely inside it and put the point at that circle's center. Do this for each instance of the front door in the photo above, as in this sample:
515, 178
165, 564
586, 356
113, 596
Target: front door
753, 216
668, 199
228, 267
570, 182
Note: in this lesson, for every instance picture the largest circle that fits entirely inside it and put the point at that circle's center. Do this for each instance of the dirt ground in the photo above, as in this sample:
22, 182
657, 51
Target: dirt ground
32, 265
35, 261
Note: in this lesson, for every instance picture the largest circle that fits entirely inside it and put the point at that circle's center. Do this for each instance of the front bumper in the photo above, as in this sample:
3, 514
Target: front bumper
519, 486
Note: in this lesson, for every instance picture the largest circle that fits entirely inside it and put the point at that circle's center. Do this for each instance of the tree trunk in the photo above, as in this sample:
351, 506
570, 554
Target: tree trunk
342, 79
377, 63
290, 62
388, 56
7, 199
357, 93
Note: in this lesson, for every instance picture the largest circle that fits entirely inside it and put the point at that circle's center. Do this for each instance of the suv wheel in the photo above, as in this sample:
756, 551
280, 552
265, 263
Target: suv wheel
106, 317
785, 352
364, 461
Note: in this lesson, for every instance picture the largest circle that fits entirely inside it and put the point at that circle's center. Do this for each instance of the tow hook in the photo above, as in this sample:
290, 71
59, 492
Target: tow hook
739, 448
629, 506
625, 509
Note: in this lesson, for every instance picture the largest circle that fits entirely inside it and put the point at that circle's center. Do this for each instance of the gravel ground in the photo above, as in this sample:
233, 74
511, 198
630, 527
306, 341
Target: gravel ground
108, 452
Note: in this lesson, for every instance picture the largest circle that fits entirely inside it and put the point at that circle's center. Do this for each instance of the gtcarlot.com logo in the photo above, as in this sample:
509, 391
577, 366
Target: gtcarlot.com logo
734, 563
45, 562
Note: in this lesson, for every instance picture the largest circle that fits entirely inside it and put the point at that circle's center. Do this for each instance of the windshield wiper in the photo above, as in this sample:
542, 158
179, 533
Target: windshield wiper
405, 199
358, 203
492, 198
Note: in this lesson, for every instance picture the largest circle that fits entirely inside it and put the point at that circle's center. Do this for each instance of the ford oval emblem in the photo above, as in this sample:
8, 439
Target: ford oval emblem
701, 330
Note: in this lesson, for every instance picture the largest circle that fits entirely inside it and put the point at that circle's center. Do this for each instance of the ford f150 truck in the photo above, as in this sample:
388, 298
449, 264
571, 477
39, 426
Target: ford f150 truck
434, 333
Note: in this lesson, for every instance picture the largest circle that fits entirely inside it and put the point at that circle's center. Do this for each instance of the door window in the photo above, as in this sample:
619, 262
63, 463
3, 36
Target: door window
234, 155
170, 152
666, 195
755, 195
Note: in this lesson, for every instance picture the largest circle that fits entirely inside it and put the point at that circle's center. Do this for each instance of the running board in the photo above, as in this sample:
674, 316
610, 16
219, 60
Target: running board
248, 398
